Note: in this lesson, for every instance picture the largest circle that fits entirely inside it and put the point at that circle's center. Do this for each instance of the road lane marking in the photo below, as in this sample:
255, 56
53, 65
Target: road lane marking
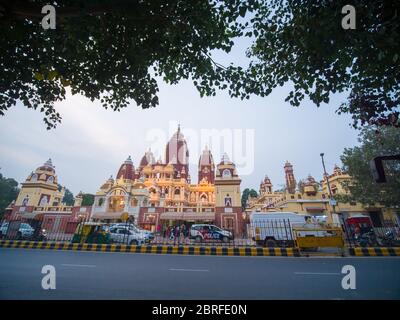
320, 273
79, 265
193, 270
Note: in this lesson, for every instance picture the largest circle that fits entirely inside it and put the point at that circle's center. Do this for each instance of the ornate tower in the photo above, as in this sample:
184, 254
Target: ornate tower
206, 167
41, 188
127, 170
147, 159
177, 154
228, 207
310, 186
290, 180
265, 186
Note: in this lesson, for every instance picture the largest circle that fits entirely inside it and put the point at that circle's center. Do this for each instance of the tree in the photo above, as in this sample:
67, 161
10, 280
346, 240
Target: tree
113, 51
363, 187
68, 198
245, 196
87, 199
302, 42
8, 192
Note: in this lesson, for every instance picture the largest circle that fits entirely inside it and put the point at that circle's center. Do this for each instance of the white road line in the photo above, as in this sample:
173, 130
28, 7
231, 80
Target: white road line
320, 273
79, 265
193, 270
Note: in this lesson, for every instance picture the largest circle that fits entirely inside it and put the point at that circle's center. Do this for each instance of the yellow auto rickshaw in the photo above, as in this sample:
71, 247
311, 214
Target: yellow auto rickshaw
91, 232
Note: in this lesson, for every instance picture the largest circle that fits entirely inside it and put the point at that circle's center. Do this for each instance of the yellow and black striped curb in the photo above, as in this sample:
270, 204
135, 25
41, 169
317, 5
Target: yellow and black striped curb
374, 252
161, 249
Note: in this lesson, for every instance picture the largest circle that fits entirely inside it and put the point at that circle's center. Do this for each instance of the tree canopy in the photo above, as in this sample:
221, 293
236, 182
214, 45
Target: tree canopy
87, 199
115, 51
112, 51
245, 196
303, 42
68, 198
8, 192
363, 187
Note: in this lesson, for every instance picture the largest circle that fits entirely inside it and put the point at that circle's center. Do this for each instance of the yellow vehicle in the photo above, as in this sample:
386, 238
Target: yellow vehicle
312, 237
91, 232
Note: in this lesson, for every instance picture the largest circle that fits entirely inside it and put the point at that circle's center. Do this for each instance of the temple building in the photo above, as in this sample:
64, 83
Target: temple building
157, 194
41, 199
313, 198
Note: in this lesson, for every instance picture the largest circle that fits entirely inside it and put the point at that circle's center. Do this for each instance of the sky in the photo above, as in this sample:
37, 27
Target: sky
259, 135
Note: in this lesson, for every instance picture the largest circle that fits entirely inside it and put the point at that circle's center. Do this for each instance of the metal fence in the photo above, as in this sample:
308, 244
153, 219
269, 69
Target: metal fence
387, 235
37, 230
270, 233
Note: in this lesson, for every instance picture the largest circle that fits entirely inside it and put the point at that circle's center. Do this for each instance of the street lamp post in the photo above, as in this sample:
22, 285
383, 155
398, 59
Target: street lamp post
331, 200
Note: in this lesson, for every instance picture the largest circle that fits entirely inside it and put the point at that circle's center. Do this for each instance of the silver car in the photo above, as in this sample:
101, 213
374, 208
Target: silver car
126, 236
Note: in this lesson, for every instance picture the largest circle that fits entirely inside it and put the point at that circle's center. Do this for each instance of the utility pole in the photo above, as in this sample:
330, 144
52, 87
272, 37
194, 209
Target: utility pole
331, 200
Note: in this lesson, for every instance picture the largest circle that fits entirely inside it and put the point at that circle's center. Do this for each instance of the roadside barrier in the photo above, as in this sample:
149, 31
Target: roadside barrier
159, 249
375, 251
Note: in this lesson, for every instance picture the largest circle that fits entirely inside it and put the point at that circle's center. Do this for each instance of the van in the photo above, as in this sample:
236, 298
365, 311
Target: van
274, 229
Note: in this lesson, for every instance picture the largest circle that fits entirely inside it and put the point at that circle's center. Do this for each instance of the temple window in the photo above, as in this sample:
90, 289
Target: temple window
228, 201
34, 177
226, 173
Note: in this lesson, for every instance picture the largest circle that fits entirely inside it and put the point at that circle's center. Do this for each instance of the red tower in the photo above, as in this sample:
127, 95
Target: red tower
177, 154
127, 170
290, 180
206, 167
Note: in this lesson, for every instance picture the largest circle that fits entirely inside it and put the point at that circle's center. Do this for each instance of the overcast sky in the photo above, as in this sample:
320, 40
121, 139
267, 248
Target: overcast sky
91, 143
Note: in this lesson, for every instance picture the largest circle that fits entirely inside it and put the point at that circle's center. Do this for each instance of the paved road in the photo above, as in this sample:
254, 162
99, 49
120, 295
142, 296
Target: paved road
96, 275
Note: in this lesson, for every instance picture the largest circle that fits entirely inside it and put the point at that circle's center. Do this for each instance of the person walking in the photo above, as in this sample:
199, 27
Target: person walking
176, 234
171, 233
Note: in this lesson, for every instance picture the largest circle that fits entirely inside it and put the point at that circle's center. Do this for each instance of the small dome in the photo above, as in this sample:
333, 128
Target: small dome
206, 158
147, 159
337, 171
47, 166
127, 170
225, 159
288, 164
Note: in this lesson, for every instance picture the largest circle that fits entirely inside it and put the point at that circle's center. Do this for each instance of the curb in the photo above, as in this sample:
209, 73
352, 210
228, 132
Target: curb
375, 252
159, 249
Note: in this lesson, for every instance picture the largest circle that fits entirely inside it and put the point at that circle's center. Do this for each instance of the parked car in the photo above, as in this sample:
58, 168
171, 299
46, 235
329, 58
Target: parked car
200, 232
146, 233
274, 229
128, 236
25, 231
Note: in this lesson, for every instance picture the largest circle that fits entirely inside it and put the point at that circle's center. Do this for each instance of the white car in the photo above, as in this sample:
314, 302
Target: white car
147, 234
25, 230
126, 236
200, 232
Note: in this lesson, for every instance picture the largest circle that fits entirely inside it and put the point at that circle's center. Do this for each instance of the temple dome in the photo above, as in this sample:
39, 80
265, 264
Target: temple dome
47, 166
147, 159
127, 170
206, 158
176, 150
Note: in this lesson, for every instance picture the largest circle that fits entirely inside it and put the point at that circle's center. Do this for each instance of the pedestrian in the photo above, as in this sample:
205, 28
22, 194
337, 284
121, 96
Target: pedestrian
176, 233
183, 230
159, 229
171, 233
